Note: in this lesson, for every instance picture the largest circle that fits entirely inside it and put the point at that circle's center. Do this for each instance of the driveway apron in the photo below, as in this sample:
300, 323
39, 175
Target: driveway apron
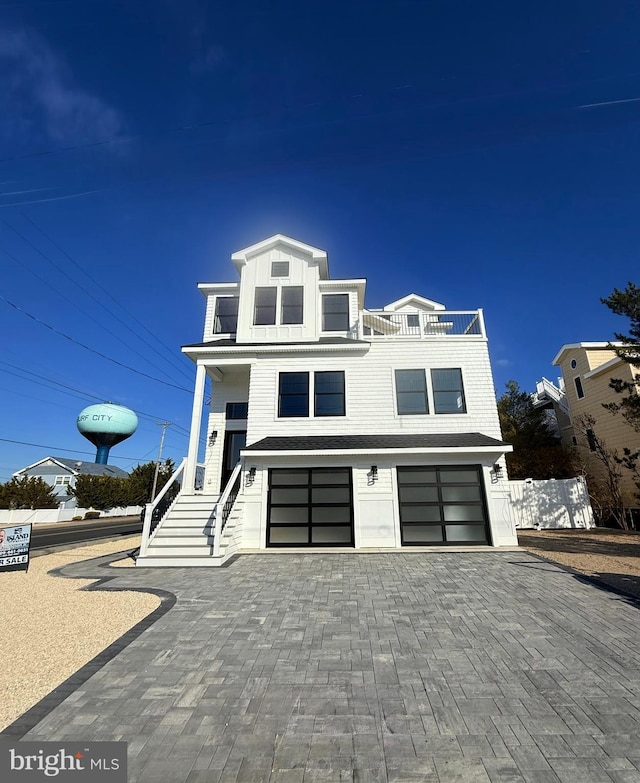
367, 667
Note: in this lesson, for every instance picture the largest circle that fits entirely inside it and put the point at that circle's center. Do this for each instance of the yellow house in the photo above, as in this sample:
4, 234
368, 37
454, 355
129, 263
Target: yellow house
587, 369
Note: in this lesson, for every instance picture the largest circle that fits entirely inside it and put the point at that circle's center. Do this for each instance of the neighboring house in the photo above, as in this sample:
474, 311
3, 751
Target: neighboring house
355, 427
61, 474
587, 369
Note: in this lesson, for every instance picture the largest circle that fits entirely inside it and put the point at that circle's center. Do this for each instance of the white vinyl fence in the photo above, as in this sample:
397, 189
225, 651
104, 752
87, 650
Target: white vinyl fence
553, 503
48, 516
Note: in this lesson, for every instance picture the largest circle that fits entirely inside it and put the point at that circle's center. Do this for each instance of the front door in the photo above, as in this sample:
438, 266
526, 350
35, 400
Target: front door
234, 441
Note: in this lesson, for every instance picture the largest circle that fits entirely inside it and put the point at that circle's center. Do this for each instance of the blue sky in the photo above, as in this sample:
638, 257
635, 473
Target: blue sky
479, 154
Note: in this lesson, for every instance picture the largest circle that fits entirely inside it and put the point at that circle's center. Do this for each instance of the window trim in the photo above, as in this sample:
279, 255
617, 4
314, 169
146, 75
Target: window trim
62, 483
328, 394
271, 308
281, 297
427, 410
279, 276
216, 316
323, 314
311, 395
436, 412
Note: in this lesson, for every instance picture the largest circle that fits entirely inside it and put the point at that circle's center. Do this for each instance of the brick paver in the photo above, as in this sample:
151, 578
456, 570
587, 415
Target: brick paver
492, 667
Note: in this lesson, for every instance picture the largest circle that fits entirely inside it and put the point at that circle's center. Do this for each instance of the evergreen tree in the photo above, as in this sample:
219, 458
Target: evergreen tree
28, 492
537, 452
627, 303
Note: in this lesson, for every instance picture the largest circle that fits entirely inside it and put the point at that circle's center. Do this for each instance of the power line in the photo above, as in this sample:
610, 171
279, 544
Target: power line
57, 448
84, 291
92, 350
112, 298
40, 378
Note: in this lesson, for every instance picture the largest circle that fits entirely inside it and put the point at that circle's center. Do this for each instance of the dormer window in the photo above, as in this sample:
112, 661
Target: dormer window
279, 269
288, 300
226, 316
265, 307
335, 313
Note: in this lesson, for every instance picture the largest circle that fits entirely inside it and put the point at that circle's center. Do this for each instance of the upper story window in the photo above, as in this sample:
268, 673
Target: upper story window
293, 394
226, 316
329, 393
411, 392
265, 306
237, 410
279, 269
335, 312
291, 304
62, 481
579, 389
448, 391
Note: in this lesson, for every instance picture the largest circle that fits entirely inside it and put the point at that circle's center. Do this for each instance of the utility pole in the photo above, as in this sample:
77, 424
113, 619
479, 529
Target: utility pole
164, 425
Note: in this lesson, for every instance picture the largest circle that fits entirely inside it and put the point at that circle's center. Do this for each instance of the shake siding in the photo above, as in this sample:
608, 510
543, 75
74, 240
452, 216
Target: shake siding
370, 393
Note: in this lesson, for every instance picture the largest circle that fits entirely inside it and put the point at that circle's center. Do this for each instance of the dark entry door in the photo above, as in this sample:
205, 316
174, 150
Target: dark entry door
234, 441
310, 507
442, 505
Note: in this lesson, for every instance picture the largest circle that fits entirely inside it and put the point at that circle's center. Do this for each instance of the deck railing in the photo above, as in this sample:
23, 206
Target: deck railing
224, 506
421, 325
154, 512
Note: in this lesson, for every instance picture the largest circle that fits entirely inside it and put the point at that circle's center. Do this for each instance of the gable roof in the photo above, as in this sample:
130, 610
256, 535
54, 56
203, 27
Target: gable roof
420, 302
240, 257
78, 467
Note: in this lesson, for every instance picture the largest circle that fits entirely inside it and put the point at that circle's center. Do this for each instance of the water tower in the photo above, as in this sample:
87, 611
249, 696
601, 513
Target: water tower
105, 425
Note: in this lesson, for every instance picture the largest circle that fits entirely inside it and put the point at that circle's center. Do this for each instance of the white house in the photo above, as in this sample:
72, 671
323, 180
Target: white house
346, 426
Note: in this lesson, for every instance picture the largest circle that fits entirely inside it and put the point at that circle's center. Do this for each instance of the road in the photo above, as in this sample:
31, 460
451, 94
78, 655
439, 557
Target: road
48, 536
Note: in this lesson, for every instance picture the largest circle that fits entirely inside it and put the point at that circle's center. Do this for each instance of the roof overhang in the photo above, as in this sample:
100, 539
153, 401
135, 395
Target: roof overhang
249, 350
602, 368
488, 450
420, 302
46, 459
585, 346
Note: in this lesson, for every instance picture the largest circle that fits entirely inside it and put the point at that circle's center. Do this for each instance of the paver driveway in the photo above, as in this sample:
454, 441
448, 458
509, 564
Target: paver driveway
382, 667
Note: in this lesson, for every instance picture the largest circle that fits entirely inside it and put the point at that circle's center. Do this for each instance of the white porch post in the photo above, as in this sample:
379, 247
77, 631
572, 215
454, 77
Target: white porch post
194, 435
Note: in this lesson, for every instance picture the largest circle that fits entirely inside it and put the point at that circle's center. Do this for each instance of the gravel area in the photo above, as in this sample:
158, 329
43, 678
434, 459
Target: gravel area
51, 628
612, 556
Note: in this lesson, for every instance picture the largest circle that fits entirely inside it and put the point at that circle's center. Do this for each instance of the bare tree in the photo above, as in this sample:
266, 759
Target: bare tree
605, 489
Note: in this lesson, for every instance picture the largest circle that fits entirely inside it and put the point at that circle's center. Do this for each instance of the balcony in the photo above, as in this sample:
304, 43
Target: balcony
422, 325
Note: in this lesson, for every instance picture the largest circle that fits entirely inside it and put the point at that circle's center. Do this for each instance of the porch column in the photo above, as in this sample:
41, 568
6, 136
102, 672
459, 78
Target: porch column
194, 435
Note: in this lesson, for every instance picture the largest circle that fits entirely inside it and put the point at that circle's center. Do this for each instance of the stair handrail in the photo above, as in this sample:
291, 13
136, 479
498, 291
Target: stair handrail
149, 508
224, 505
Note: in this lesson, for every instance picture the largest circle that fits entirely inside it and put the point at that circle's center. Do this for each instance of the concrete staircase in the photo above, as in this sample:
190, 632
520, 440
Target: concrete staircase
185, 536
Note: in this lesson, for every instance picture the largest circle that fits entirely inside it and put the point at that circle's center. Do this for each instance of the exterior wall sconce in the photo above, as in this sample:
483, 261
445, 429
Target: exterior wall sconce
213, 437
373, 475
496, 472
251, 477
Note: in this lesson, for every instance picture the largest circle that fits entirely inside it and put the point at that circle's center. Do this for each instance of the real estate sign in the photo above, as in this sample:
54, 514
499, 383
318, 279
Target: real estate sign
14, 547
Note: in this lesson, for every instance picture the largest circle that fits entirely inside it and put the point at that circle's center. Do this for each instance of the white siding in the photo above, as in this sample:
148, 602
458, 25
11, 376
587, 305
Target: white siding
370, 395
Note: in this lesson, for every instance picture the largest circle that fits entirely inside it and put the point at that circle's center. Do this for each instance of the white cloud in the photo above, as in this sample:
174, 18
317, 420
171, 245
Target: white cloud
41, 101
502, 362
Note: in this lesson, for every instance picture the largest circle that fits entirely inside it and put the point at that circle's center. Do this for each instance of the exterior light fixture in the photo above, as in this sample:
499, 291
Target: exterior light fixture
497, 471
251, 476
373, 473
213, 437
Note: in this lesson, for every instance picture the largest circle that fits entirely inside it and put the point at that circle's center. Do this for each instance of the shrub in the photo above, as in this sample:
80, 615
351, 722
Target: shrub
92, 515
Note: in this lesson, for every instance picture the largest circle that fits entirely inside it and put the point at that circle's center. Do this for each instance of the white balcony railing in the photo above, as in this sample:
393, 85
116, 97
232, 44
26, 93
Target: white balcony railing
421, 325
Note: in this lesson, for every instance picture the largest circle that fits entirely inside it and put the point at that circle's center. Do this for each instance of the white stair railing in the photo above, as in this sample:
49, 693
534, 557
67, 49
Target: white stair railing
224, 506
150, 509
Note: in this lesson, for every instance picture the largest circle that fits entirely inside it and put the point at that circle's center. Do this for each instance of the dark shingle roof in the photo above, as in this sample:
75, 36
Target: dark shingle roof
451, 440
91, 468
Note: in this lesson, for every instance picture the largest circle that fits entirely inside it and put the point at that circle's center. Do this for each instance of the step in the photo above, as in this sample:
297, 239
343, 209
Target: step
190, 541
176, 561
204, 550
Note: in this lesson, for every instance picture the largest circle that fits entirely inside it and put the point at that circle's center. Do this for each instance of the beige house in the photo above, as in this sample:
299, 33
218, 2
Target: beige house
587, 369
